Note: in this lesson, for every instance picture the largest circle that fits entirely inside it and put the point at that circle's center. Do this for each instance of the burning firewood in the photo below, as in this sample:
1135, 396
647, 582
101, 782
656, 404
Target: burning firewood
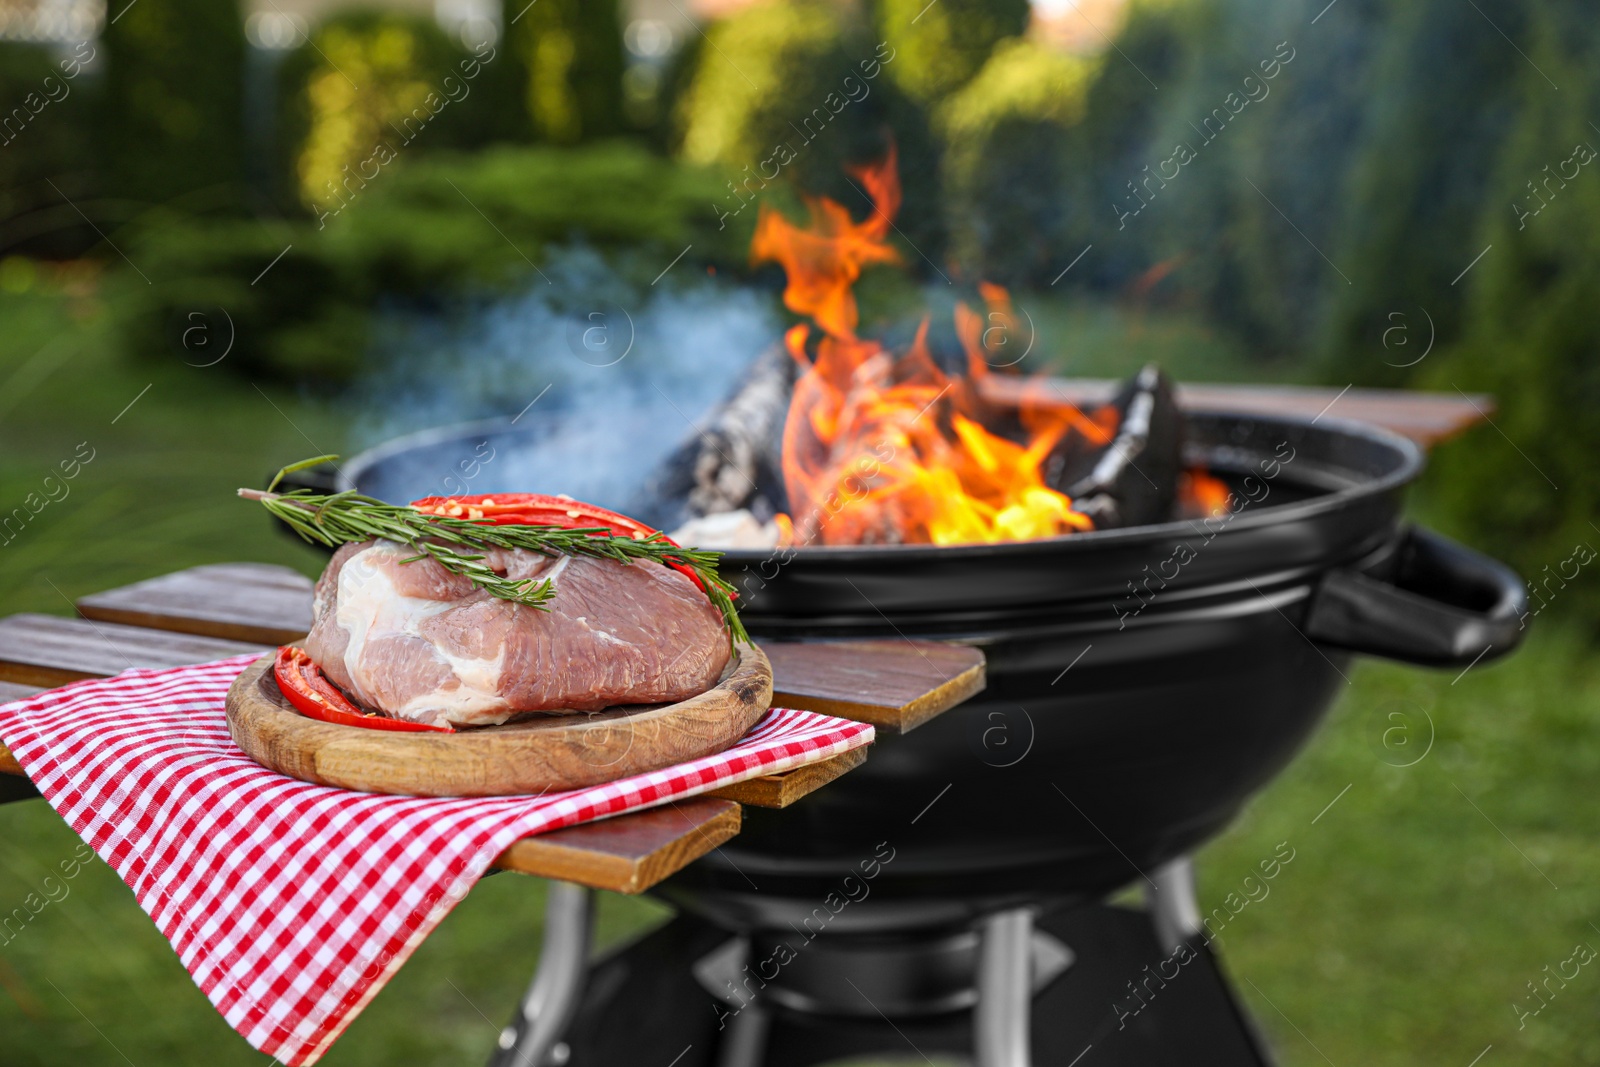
1134, 479
734, 460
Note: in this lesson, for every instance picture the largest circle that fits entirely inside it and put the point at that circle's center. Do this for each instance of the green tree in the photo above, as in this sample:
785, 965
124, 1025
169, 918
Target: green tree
941, 46
1244, 226
370, 85
415, 236
1443, 97
1009, 137
174, 101
566, 60
1530, 492
45, 148
1122, 109
789, 91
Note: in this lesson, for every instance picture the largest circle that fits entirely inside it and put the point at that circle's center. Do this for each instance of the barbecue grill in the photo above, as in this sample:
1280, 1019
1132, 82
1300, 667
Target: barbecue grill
1143, 684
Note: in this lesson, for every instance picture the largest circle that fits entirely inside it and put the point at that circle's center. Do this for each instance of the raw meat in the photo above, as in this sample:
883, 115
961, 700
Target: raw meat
419, 643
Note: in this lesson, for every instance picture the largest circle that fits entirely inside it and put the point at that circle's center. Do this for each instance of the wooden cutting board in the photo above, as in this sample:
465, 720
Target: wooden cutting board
546, 753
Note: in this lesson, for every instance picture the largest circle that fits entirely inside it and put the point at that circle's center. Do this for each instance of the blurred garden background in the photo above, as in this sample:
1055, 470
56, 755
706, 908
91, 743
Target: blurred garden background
233, 237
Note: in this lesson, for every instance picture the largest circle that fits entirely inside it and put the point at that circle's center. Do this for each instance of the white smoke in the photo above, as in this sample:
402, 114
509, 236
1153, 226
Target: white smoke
604, 376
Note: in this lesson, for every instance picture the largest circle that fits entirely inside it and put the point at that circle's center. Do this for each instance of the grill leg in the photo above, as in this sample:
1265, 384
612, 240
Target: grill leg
531, 1039
1173, 907
1005, 990
746, 1043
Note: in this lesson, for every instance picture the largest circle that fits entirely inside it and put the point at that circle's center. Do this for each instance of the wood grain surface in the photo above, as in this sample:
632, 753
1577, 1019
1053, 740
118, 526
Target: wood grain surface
52, 650
47, 650
915, 681
781, 790
1426, 418
896, 685
198, 615
255, 602
768, 791
630, 853
544, 753
626, 854
10, 691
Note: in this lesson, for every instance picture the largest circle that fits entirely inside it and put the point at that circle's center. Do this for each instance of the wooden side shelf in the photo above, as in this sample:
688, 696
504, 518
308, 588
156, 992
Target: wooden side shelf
895, 685
47, 650
254, 602
626, 854
1426, 418
631, 853
208, 613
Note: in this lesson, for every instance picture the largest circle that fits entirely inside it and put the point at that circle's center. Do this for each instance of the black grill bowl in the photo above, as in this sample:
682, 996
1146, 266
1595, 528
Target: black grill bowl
1142, 683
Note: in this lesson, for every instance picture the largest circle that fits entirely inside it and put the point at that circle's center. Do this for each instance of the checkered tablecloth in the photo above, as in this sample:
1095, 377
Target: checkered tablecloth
292, 904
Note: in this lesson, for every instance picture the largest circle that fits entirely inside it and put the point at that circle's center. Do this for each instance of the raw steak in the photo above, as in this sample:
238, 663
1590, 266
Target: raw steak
422, 644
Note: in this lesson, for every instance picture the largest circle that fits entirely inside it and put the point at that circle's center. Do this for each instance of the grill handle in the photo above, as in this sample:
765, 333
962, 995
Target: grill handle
1444, 605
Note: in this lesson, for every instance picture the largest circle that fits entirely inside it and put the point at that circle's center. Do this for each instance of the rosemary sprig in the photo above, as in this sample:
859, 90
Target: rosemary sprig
458, 545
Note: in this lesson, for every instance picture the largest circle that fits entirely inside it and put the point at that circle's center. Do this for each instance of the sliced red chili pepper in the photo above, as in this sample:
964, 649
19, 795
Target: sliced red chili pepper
531, 509
304, 686
537, 509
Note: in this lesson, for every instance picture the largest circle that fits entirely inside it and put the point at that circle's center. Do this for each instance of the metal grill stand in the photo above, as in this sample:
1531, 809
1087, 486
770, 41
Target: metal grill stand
686, 990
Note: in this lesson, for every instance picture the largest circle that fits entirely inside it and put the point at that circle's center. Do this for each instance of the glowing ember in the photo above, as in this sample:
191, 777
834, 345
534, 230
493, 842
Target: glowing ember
884, 447
1203, 494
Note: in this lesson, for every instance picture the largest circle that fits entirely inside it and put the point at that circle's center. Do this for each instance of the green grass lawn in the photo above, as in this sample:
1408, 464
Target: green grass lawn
1417, 906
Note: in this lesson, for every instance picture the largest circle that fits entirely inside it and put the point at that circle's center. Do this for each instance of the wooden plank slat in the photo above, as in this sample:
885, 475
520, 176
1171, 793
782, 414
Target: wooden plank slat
48, 650
894, 685
781, 790
45, 650
626, 854
10, 691
897, 690
1426, 418
768, 791
630, 853
254, 602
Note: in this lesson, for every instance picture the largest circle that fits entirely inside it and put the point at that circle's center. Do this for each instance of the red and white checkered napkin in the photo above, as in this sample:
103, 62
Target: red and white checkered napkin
292, 904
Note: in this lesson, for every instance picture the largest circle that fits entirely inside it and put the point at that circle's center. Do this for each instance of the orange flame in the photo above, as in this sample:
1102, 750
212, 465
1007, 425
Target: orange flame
823, 261
882, 447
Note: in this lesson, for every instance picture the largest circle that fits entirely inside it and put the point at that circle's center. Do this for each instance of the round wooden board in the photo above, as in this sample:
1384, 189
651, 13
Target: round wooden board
543, 753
